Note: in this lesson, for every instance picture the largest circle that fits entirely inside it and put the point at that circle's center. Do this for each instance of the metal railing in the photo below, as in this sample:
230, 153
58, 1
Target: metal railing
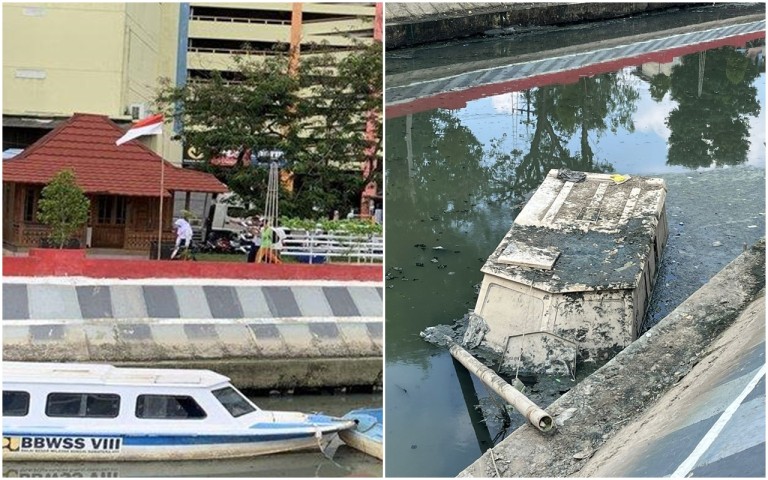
261, 21
320, 247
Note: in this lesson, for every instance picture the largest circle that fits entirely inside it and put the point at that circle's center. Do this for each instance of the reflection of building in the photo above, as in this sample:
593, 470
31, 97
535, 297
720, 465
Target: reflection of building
651, 69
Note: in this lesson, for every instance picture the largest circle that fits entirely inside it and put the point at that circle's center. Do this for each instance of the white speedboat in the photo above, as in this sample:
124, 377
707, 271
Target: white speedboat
86, 412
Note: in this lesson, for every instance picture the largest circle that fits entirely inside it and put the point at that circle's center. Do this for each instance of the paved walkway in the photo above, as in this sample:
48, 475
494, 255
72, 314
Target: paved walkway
711, 424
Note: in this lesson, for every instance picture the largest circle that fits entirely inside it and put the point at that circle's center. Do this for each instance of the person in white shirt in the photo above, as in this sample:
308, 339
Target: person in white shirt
183, 235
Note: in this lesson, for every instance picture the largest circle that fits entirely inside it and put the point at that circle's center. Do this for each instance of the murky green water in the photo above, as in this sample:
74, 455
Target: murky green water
456, 179
341, 460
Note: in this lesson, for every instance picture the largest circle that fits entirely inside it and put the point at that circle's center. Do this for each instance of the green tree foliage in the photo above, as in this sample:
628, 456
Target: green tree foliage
64, 207
315, 117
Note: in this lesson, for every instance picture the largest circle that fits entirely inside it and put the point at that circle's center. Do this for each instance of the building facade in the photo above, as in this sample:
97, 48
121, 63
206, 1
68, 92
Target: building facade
101, 58
106, 58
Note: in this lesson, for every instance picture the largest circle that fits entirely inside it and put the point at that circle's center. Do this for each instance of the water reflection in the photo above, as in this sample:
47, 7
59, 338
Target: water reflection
346, 462
456, 179
715, 99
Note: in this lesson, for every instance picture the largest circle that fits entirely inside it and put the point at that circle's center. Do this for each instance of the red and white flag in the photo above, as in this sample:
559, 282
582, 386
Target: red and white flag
152, 125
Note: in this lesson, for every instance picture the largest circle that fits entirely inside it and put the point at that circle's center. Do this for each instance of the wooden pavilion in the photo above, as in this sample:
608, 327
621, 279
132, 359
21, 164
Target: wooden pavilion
123, 184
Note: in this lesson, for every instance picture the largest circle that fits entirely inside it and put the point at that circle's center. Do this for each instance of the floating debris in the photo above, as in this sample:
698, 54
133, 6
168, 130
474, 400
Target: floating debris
419, 264
434, 260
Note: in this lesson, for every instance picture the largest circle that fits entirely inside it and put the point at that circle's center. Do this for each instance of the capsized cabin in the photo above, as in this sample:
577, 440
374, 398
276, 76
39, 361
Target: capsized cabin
573, 276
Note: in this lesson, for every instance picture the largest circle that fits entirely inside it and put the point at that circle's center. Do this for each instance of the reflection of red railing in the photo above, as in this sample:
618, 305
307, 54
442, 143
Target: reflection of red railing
458, 99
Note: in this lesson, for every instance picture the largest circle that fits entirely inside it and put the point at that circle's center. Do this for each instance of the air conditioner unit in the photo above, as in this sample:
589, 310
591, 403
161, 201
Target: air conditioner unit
137, 110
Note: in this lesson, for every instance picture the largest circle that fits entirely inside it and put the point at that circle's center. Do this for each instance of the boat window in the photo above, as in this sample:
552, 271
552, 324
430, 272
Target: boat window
96, 405
233, 401
15, 404
168, 407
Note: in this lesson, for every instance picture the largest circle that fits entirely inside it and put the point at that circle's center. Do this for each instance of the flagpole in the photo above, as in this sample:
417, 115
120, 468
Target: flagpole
160, 218
152, 125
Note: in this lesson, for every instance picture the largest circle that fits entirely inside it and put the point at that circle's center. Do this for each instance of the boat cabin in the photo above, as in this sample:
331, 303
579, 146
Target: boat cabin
59, 392
573, 276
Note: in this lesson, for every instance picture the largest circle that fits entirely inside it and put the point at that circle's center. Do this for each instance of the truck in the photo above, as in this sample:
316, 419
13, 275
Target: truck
224, 218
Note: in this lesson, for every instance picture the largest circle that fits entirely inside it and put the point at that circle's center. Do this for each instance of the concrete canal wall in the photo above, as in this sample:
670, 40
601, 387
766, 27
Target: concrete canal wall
266, 333
641, 378
409, 24
275, 335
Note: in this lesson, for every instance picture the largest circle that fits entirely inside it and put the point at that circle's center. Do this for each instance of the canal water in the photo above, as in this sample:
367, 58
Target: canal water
339, 460
461, 164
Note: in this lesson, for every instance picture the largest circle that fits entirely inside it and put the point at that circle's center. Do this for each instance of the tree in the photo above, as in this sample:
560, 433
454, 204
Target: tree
316, 119
64, 207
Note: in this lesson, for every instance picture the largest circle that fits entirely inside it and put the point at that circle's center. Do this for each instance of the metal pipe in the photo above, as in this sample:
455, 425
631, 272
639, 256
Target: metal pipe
535, 415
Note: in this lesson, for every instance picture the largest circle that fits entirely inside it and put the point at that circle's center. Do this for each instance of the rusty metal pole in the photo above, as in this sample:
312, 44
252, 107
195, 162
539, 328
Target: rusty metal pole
535, 415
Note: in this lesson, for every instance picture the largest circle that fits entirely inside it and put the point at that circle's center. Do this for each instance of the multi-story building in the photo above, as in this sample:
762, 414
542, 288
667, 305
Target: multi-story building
101, 58
106, 58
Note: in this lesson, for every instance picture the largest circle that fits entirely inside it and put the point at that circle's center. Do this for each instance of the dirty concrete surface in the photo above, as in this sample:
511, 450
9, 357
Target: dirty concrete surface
598, 408
424, 22
674, 423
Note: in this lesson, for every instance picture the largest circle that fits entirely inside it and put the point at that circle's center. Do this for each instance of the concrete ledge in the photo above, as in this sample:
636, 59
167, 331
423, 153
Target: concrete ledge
413, 24
597, 408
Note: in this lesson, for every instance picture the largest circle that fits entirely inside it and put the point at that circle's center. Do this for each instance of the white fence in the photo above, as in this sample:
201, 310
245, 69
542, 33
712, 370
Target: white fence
320, 247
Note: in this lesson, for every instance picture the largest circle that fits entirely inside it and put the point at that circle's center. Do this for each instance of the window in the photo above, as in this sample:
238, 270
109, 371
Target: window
30, 204
233, 401
92, 405
15, 404
111, 210
170, 407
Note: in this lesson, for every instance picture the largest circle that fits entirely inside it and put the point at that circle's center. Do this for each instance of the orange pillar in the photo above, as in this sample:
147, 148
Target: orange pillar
295, 36
370, 162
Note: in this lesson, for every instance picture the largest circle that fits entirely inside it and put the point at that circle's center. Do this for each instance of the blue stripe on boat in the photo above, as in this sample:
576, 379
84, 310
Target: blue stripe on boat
211, 439
146, 440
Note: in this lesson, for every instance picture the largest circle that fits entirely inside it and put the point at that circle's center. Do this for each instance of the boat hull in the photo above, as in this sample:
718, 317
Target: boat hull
63, 448
367, 436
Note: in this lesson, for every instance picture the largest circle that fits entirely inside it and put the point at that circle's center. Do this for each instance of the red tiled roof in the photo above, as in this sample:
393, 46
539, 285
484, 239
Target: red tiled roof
86, 144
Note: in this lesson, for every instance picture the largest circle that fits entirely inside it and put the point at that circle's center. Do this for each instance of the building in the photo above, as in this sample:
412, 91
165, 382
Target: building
102, 58
123, 183
106, 58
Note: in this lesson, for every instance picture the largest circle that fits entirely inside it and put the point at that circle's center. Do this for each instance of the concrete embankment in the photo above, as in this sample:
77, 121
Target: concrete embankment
640, 379
269, 335
273, 327
409, 24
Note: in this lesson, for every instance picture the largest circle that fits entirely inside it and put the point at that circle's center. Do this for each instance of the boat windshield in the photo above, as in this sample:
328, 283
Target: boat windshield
234, 401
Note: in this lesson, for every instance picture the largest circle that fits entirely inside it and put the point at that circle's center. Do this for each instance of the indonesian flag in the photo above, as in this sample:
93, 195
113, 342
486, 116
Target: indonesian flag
152, 125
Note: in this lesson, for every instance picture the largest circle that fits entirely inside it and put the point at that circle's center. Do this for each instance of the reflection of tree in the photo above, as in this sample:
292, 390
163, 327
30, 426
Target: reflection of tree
443, 185
715, 95
591, 105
